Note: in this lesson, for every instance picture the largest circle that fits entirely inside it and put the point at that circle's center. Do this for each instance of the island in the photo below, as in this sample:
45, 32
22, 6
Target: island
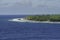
38, 19
51, 18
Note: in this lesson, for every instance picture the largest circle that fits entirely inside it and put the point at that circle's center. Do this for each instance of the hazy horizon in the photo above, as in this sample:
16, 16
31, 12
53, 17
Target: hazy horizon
29, 7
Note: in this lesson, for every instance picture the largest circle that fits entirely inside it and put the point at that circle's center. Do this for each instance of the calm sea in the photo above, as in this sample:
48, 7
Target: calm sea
27, 31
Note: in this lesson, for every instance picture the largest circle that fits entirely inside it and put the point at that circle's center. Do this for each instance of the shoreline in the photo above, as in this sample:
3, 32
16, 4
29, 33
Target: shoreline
31, 21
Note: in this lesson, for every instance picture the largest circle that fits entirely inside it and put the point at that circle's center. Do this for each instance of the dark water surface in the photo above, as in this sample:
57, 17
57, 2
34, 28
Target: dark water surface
27, 31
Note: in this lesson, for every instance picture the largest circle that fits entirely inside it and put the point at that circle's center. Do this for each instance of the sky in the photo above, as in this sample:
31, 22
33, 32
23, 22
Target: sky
23, 7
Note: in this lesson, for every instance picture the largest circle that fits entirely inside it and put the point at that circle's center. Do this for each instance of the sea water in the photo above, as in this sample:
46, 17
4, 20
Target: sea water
10, 30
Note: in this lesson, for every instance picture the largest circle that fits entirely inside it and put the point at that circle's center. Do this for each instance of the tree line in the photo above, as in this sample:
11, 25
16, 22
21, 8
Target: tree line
44, 17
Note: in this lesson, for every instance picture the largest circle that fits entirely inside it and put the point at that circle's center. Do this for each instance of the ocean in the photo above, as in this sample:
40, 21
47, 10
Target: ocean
10, 30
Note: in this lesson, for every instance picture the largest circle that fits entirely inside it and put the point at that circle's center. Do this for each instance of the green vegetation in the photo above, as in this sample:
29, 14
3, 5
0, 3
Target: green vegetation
54, 18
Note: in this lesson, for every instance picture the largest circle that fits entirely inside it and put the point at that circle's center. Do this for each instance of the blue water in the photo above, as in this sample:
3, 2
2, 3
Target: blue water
27, 31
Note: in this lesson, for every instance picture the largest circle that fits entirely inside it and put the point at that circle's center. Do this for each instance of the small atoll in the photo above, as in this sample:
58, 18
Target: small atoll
51, 18
39, 19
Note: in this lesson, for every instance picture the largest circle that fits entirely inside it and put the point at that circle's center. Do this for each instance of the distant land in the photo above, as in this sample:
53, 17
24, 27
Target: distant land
52, 18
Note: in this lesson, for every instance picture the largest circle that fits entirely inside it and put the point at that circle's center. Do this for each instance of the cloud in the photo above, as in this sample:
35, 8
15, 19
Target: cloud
34, 3
30, 6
